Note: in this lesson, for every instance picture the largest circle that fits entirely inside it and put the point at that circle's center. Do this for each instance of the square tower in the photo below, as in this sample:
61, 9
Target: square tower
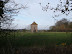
34, 27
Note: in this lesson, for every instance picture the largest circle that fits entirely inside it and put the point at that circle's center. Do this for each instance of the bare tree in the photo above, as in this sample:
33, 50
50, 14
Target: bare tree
62, 25
63, 7
7, 11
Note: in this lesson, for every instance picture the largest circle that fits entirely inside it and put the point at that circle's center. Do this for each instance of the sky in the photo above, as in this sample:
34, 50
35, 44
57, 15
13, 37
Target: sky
35, 13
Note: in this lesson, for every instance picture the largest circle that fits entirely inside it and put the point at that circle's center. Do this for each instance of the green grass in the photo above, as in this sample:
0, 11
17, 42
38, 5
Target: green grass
46, 39
42, 39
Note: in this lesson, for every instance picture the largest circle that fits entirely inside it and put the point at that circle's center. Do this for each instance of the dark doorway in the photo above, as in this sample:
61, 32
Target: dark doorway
34, 30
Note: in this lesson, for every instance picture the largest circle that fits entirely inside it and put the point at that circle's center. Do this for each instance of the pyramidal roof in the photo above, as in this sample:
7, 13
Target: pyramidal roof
34, 23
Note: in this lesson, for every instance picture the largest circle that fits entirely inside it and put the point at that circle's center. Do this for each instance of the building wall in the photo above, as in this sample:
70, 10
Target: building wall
34, 28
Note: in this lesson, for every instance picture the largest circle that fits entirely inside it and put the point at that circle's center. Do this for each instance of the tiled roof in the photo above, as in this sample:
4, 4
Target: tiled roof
34, 23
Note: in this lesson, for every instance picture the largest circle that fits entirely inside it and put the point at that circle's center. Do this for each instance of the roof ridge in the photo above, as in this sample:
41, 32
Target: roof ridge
34, 23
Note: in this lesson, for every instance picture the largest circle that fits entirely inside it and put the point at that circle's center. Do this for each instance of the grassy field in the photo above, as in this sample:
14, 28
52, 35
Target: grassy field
36, 43
46, 39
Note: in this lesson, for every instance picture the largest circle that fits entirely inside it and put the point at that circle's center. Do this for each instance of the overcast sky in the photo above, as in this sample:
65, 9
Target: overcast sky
35, 13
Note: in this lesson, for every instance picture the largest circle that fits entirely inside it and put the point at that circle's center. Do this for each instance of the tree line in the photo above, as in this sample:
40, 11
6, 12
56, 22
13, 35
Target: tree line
62, 25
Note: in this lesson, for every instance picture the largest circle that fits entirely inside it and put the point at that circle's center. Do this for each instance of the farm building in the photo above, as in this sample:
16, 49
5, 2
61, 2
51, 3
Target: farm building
34, 27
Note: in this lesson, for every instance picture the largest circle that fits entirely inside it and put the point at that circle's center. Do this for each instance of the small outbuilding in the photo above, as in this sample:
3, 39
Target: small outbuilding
34, 27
